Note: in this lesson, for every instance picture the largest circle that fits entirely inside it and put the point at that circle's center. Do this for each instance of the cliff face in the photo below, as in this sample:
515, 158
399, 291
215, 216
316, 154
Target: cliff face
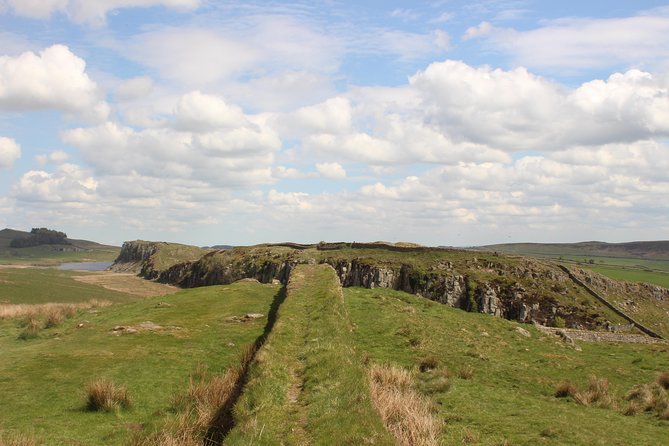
134, 256
519, 289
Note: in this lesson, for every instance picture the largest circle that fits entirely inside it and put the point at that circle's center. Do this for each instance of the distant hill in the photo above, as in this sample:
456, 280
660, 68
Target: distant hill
653, 250
75, 250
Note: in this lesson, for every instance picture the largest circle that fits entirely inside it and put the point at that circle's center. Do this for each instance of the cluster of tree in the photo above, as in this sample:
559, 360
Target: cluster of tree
40, 236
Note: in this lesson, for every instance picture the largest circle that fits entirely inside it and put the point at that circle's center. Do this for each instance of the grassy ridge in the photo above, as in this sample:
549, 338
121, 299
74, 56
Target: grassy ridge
509, 395
308, 384
43, 380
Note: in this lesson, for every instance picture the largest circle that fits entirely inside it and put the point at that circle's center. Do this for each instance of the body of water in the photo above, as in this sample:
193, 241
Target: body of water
86, 266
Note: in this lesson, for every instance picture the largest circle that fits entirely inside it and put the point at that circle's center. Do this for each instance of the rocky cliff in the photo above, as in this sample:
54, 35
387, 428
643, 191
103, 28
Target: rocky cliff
514, 288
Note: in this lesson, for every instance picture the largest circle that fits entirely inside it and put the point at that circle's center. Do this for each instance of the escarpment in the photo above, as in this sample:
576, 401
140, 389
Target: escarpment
513, 288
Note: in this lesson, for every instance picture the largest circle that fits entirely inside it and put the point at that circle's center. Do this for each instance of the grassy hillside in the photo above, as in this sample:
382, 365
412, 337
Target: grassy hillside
501, 384
356, 365
77, 251
634, 262
44, 378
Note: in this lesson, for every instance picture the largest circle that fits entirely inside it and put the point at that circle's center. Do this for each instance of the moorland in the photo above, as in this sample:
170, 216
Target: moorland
332, 343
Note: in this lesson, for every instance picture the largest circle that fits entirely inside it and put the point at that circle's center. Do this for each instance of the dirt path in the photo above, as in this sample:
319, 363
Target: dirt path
127, 283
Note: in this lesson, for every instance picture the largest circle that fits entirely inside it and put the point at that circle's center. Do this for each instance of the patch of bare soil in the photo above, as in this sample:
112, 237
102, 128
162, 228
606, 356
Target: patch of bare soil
127, 283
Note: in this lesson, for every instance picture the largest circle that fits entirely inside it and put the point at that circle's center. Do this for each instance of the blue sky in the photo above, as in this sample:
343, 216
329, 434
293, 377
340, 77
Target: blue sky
437, 122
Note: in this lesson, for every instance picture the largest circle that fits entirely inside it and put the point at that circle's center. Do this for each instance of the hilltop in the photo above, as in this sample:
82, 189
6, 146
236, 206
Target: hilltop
516, 288
71, 250
649, 250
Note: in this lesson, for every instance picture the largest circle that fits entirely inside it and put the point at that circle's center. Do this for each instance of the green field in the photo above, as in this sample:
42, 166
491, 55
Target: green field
44, 285
479, 378
43, 379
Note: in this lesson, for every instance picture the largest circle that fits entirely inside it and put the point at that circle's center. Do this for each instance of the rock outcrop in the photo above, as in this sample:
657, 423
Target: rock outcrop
513, 288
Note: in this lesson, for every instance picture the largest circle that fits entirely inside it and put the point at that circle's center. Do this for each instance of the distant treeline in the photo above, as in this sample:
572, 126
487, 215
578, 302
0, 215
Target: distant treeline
40, 236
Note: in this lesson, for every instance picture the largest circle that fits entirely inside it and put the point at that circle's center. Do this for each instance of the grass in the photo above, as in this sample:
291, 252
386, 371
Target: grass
43, 379
514, 375
308, 383
406, 413
104, 395
45, 285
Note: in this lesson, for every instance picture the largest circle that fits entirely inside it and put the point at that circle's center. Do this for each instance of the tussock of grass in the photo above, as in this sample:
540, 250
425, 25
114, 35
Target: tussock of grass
406, 414
663, 379
597, 394
466, 372
651, 397
103, 395
30, 329
566, 389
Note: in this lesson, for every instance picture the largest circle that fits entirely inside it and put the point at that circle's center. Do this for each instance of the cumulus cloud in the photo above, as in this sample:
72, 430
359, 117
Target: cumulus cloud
10, 151
206, 139
87, 11
53, 79
69, 183
331, 171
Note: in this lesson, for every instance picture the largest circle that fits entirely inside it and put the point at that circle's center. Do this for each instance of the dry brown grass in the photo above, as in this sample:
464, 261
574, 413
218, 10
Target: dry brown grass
199, 408
7, 439
406, 414
565, 389
651, 397
597, 394
42, 311
103, 395
663, 379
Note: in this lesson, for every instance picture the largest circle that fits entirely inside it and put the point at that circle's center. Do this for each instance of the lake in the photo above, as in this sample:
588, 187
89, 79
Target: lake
86, 266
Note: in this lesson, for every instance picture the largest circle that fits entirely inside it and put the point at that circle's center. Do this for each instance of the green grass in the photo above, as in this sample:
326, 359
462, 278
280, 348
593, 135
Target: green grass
631, 275
510, 394
308, 384
43, 380
45, 285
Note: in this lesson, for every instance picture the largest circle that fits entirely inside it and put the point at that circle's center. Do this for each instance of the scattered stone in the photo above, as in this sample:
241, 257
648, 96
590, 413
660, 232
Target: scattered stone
276, 282
484, 334
248, 280
164, 305
150, 326
246, 318
230, 344
82, 324
523, 332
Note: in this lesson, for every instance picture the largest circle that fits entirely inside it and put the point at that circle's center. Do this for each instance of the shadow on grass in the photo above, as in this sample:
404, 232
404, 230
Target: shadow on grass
224, 420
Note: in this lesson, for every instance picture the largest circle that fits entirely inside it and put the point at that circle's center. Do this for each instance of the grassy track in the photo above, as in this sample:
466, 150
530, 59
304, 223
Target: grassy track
42, 380
308, 385
509, 397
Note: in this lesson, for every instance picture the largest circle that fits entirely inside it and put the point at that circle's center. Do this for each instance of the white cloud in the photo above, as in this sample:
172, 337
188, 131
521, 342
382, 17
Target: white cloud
198, 112
53, 79
10, 151
69, 183
481, 29
575, 44
134, 88
92, 12
331, 171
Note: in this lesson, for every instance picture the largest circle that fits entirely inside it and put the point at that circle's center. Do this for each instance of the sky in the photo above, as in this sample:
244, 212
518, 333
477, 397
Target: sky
438, 122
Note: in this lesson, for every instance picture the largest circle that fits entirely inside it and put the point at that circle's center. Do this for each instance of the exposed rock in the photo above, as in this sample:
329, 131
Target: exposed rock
523, 332
245, 318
